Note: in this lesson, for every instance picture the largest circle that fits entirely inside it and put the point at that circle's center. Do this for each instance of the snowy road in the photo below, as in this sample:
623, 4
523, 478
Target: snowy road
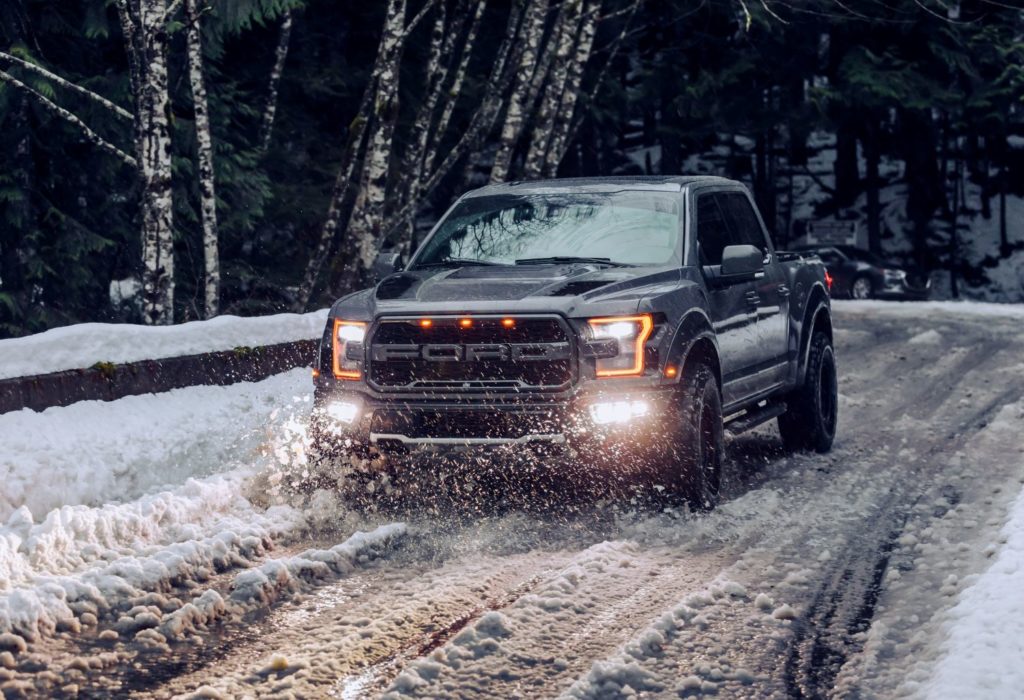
818, 575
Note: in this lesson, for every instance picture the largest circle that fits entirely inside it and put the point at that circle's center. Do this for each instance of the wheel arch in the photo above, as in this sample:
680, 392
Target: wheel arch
817, 317
694, 342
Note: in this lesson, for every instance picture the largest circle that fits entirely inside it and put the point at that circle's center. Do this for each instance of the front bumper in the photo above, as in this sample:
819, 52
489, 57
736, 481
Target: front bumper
627, 415
902, 289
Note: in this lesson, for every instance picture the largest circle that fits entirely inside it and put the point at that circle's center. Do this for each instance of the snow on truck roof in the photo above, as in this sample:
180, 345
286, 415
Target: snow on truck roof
667, 183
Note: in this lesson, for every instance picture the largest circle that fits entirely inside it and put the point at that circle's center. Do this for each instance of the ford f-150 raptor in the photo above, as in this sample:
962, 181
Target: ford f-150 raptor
618, 320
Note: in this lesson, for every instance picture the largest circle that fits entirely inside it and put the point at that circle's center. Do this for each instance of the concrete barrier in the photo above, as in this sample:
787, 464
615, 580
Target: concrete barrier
107, 382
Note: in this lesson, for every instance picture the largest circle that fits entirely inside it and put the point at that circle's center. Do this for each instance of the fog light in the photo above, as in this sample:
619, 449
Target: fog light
618, 411
343, 411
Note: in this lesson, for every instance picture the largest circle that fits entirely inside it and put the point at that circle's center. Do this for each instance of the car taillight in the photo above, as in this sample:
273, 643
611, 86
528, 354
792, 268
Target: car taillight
828, 281
345, 335
630, 333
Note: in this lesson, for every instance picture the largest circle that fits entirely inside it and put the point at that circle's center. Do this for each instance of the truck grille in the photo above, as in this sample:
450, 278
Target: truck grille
481, 353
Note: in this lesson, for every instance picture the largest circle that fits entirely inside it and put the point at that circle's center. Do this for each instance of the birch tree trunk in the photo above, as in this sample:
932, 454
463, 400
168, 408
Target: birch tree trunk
342, 184
366, 219
207, 196
280, 56
559, 140
454, 92
518, 101
435, 72
154, 160
542, 131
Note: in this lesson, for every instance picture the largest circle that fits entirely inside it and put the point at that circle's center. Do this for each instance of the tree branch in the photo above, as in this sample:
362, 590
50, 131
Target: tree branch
171, 9
39, 70
418, 18
89, 134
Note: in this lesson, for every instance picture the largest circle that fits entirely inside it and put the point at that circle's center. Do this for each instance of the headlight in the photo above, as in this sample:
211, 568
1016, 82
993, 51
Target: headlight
631, 334
894, 276
345, 336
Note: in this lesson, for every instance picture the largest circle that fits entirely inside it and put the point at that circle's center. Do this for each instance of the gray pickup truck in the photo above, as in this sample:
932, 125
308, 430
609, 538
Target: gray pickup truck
625, 322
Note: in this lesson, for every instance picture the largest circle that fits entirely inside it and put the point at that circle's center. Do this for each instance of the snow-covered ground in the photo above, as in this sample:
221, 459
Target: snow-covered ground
84, 344
172, 568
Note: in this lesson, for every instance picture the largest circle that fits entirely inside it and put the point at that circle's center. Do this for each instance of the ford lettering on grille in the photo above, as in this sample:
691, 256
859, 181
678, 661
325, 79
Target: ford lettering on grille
472, 353
532, 353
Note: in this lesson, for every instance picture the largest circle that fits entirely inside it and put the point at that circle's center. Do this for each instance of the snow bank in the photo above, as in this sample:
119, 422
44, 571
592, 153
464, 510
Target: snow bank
97, 452
916, 309
85, 344
80, 564
985, 629
132, 564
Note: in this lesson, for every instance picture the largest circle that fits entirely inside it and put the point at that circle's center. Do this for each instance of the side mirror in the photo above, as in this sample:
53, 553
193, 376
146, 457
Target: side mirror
386, 264
741, 262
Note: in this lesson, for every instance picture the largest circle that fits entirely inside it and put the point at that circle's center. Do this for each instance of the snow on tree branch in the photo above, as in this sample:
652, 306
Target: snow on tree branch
90, 135
67, 84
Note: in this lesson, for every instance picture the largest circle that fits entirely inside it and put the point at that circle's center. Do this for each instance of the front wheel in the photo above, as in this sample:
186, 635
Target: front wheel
691, 463
862, 288
809, 422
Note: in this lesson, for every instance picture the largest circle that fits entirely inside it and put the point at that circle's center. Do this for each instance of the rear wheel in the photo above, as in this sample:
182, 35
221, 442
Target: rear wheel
691, 462
809, 422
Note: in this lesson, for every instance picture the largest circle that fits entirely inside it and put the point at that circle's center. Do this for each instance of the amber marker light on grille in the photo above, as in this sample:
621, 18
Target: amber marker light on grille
346, 332
426, 323
465, 322
508, 322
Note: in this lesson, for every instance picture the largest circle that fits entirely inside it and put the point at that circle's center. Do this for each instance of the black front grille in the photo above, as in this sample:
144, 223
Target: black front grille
463, 424
483, 353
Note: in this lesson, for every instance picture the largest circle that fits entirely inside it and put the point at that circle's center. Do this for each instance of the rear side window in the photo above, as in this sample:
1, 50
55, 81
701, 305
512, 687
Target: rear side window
712, 232
742, 220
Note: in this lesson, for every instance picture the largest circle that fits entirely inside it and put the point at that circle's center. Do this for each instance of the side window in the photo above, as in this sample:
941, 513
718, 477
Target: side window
739, 214
712, 233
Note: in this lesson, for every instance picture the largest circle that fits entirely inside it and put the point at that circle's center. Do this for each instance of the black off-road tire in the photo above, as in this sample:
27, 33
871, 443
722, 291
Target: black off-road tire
812, 413
690, 466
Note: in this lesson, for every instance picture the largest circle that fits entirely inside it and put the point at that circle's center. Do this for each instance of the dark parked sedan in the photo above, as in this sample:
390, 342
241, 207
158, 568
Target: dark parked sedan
860, 274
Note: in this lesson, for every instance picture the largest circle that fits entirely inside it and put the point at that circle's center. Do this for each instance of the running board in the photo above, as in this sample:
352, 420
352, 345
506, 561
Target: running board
753, 417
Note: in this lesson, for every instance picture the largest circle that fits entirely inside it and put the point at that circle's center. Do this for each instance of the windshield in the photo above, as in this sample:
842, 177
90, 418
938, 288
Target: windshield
627, 227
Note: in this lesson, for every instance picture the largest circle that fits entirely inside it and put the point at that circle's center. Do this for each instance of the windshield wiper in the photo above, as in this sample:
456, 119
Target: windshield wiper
559, 259
455, 262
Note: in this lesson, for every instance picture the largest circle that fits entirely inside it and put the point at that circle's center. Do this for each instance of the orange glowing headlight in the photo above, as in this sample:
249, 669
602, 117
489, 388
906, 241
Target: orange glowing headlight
346, 332
632, 333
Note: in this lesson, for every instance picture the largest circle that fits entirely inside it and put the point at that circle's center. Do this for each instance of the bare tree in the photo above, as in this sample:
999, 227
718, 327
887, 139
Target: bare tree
518, 100
280, 56
369, 209
566, 37
207, 191
559, 137
143, 24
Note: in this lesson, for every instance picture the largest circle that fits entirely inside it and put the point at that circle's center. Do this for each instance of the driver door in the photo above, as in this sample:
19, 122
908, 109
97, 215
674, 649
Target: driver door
733, 304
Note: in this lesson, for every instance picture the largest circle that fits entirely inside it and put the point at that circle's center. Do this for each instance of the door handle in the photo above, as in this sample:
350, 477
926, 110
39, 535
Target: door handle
783, 290
753, 298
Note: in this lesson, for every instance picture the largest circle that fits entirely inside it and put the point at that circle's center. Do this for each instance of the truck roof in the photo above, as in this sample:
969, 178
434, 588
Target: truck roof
668, 183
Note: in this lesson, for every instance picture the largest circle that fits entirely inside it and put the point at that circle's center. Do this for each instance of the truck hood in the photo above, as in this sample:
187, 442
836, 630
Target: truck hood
486, 283
560, 288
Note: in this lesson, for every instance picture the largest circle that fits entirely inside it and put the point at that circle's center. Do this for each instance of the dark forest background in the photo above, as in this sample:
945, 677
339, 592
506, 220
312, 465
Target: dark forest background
904, 116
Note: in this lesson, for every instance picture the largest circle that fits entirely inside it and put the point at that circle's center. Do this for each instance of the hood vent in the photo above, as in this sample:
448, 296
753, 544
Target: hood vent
577, 287
395, 286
